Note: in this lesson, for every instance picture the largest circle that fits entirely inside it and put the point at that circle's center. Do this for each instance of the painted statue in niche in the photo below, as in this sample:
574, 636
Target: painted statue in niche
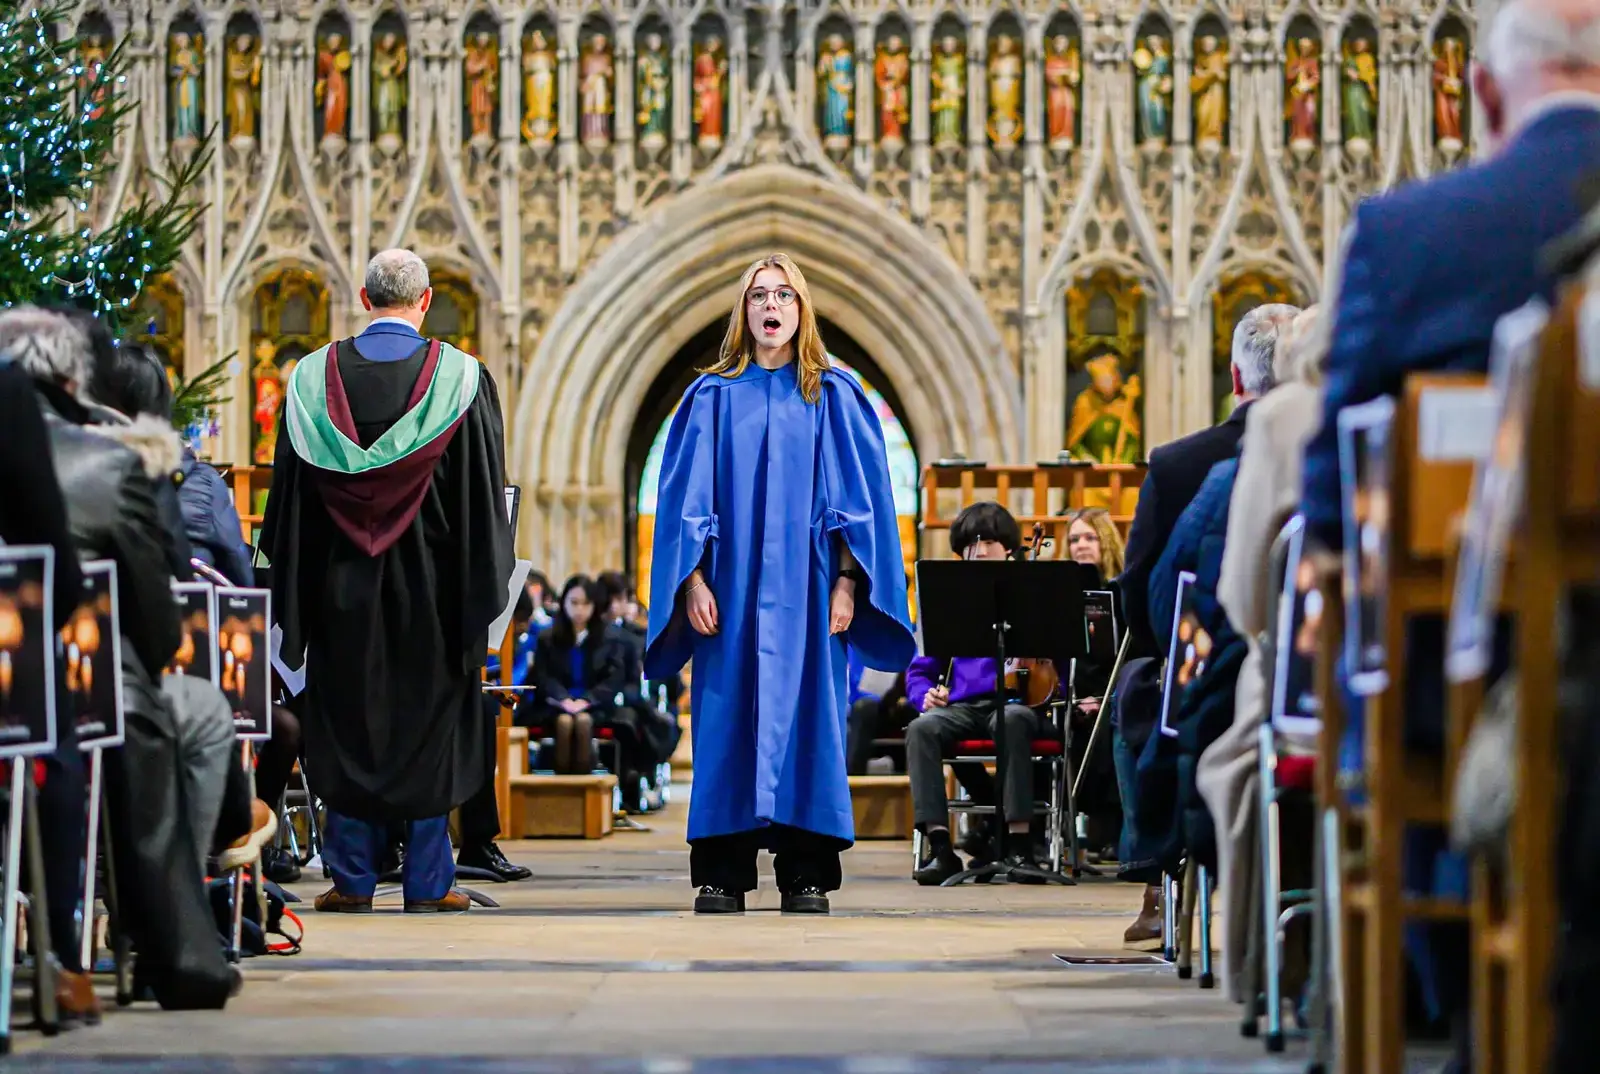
1209, 85
389, 66
242, 82
186, 69
93, 52
891, 73
538, 89
949, 79
595, 72
331, 91
1152, 65
1063, 74
1302, 93
269, 400
710, 92
1359, 83
1449, 92
1104, 425
481, 68
654, 97
836, 91
1005, 92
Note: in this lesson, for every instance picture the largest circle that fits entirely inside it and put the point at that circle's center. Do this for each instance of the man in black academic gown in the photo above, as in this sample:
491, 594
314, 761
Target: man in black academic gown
390, 551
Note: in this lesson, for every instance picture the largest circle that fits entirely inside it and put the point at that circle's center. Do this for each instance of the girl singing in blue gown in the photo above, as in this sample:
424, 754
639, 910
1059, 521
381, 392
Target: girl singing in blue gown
776, 544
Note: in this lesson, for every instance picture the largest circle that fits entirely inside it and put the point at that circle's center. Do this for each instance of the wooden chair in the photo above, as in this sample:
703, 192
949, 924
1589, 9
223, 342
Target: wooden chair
1515, 914
1399, 788
1031, 493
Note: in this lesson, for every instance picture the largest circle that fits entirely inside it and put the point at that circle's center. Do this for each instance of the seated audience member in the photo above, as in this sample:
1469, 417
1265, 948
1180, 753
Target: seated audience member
1176, 471
110, 494
1265, 492
1429, 268
131, 380
654, 733
1092, 538
878, 709
956, 699
32, 513
578, 666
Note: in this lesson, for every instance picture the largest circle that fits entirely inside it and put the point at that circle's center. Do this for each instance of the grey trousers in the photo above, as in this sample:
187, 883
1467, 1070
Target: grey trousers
206, 747
937, 730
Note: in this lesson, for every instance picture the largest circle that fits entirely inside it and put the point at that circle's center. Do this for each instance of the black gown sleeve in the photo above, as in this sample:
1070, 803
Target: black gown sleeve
484, 548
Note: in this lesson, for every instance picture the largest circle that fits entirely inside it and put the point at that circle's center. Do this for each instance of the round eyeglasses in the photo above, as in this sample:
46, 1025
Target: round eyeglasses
757, 296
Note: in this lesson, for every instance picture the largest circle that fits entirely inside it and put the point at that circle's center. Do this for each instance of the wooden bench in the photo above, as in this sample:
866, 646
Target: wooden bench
882, 806
1400, 787
1031, 493
1516, 916
561, 807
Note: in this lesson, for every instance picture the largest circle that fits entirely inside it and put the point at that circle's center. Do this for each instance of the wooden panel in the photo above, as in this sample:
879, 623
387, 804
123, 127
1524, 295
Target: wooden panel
561, 807
1435, 491
882, 806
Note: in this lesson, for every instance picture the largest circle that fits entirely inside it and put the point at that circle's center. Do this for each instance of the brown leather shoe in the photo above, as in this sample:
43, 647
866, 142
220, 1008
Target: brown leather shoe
454, 902
75, 998
334, 901
1147, 926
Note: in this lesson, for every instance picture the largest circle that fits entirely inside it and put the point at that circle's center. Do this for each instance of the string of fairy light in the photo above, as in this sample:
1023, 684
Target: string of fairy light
47, 138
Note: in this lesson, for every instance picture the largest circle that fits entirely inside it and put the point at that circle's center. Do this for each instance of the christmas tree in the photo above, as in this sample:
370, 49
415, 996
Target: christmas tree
60, 111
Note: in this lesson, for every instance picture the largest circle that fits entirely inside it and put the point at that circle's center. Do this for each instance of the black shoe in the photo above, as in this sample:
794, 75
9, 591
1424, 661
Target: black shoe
940, 867
809, 899
279, 866
715, 900
489, 858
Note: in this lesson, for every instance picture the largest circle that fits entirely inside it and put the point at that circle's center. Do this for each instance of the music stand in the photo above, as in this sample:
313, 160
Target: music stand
1002, 609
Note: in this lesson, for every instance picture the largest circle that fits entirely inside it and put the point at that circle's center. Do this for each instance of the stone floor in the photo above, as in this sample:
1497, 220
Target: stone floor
596, 965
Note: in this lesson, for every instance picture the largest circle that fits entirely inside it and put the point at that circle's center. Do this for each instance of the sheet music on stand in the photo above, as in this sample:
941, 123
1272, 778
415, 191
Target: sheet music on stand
1497, 492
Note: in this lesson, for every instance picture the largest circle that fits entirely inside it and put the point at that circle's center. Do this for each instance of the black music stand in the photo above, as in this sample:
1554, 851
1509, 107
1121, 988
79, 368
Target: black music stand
1002, 609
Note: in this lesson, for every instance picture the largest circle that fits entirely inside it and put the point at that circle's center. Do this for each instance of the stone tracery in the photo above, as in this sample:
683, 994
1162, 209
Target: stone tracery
1024, 146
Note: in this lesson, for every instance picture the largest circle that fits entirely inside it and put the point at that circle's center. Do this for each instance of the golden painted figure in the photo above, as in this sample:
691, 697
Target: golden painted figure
269, 398
892, 75
1104, 426
836, 91
186, 66
1063, 74
1449, 91
949, 77
1302, 78
1152, 65
389, 63
332, 87
1360, 77
595, 71
710, 92
243, 80
1005, 92
93, 51
538, 89
482, 70
1209, 85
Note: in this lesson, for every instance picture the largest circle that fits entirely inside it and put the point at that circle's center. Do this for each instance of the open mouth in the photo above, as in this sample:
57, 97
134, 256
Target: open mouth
771, 324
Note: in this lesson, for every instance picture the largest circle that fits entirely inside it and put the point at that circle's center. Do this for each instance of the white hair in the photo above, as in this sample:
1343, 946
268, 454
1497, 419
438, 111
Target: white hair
1522, 40
396, 280
47, 344
1255, 342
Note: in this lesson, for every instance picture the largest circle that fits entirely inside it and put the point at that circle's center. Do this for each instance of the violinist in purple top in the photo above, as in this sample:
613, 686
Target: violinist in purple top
787, 548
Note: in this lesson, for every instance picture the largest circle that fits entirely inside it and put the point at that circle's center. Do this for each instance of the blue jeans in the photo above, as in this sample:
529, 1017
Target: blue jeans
353, 850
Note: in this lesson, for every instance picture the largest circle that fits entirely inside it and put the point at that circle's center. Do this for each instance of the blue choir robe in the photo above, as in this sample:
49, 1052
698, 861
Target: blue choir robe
758, 488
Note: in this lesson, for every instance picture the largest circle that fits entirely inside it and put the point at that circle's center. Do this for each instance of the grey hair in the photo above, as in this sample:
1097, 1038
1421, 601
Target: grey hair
48, 344
1522, 40
1255, 342
396, 280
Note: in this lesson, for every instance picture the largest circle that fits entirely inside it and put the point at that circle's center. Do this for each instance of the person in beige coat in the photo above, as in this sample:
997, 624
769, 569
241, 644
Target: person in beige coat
1264, 495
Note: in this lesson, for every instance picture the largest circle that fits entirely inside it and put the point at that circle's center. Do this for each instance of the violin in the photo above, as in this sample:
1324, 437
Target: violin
1033, 680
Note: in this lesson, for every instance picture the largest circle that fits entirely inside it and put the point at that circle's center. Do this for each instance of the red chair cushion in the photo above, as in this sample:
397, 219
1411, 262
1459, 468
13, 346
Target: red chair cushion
605, 732
984, 747
1296, 773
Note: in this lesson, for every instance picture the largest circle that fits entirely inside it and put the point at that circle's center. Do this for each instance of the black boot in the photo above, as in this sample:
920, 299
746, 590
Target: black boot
489, 858
942, 862
715, 900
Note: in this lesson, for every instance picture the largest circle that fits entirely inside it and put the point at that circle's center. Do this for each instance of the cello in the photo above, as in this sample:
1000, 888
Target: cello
1038, 677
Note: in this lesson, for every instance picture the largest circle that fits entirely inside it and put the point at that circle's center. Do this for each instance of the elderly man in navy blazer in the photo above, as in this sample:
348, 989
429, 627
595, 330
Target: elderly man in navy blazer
1427, 272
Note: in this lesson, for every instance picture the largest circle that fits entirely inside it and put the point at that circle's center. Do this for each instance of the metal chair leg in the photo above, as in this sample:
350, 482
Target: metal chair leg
1271, 908
1053, 820
86, 949
44, 959
1208, 979
1169, 918
8, 901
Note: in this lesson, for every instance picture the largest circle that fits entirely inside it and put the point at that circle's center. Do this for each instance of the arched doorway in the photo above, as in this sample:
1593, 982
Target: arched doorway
649, 437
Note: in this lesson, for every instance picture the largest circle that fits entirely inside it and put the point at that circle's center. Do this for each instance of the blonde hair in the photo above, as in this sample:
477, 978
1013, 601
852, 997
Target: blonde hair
1110, 540
1302, 348
739, 348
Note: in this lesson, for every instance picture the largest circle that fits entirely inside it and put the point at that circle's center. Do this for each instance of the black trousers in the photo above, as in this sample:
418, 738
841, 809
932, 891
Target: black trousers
800, 859
480, 814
